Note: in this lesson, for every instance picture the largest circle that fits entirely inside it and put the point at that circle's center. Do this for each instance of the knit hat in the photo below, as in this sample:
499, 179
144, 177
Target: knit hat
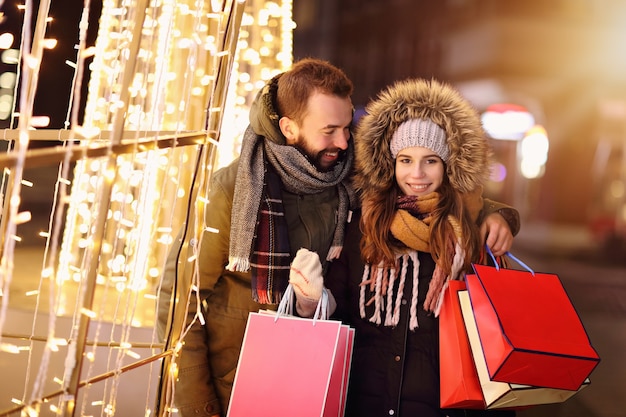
420, 132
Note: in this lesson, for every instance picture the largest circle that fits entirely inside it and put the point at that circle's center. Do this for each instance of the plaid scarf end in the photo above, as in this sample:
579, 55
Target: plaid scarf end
264, 297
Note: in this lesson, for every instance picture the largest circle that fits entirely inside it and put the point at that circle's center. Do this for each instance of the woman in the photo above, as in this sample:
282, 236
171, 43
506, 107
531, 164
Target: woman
421, 160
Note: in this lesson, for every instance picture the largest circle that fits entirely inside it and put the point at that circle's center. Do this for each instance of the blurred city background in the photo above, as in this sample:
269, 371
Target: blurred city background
556, 65
549, 78
564, 63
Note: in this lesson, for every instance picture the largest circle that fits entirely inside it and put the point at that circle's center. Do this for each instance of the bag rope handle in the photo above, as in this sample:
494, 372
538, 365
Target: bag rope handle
510, 255
285, 307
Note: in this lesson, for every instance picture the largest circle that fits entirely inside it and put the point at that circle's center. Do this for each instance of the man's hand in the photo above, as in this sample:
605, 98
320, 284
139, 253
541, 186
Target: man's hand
305, 275
307, 281
495, 232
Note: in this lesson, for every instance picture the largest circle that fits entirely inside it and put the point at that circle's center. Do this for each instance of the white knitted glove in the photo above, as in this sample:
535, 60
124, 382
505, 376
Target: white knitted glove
306, 275
307, 281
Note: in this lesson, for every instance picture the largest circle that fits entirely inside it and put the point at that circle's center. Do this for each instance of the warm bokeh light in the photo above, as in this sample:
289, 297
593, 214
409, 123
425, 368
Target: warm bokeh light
534, 152
507, 121
6, 40
498, 172
116, 215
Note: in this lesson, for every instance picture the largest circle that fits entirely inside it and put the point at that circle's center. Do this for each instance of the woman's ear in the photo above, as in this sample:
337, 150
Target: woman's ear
289, 129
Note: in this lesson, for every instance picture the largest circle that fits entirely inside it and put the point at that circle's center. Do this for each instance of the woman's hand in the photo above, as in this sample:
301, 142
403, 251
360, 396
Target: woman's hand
495, 232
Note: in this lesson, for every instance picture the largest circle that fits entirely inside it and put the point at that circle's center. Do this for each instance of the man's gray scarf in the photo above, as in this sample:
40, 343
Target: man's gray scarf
298, 176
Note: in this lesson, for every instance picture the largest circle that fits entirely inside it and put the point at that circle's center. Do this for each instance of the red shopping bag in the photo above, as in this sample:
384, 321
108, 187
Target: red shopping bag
530, 332
292, 366
459, 384
502, 394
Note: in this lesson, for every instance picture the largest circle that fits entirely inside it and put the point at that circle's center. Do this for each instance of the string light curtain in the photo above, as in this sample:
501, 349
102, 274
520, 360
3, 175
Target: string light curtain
157, 71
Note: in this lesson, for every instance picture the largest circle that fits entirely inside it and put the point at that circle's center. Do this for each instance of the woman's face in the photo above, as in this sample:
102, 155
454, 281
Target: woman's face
419, 171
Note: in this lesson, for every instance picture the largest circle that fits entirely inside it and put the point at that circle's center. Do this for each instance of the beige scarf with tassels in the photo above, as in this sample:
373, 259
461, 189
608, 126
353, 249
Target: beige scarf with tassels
411, 226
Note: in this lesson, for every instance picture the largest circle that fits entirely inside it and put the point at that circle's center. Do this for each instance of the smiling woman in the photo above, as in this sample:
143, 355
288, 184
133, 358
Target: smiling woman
421, 160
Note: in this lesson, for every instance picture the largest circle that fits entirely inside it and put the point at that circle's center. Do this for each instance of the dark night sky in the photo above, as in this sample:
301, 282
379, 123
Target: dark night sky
55, 77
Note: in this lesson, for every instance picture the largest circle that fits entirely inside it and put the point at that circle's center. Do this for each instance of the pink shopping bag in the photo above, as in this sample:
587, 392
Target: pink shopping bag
292, 366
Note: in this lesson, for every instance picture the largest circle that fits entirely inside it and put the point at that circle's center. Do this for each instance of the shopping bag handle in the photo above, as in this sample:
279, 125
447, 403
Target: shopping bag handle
510, 255
285, 307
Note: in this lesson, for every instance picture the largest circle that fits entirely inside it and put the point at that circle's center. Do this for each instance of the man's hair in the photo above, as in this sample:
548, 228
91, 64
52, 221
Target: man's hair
306, 77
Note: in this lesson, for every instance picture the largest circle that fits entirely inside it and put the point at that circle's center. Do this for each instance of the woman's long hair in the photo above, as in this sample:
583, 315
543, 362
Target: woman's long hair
442, 234
377, 243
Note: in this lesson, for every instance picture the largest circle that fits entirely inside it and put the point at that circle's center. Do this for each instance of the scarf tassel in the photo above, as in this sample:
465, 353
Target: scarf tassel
238, 264
378, 299
334, 252
364, 282
383, 292
383, 298
390, 316
457, 266
413, 324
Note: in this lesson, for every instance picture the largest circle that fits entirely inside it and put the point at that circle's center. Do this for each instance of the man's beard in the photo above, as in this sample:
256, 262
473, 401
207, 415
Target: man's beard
316, 158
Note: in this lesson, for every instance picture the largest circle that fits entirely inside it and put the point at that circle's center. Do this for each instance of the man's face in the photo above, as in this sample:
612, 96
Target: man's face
325, 130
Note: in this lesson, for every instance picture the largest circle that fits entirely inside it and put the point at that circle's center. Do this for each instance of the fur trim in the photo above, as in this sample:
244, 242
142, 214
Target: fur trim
468, 164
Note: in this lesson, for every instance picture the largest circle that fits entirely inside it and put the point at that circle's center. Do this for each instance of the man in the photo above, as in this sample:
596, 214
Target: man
288, 190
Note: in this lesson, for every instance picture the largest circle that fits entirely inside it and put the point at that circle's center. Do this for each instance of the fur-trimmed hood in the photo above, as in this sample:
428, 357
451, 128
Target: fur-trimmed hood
468, 164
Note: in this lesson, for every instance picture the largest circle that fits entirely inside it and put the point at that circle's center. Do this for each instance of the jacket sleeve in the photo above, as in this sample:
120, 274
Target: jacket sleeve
195, 394
510, 214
